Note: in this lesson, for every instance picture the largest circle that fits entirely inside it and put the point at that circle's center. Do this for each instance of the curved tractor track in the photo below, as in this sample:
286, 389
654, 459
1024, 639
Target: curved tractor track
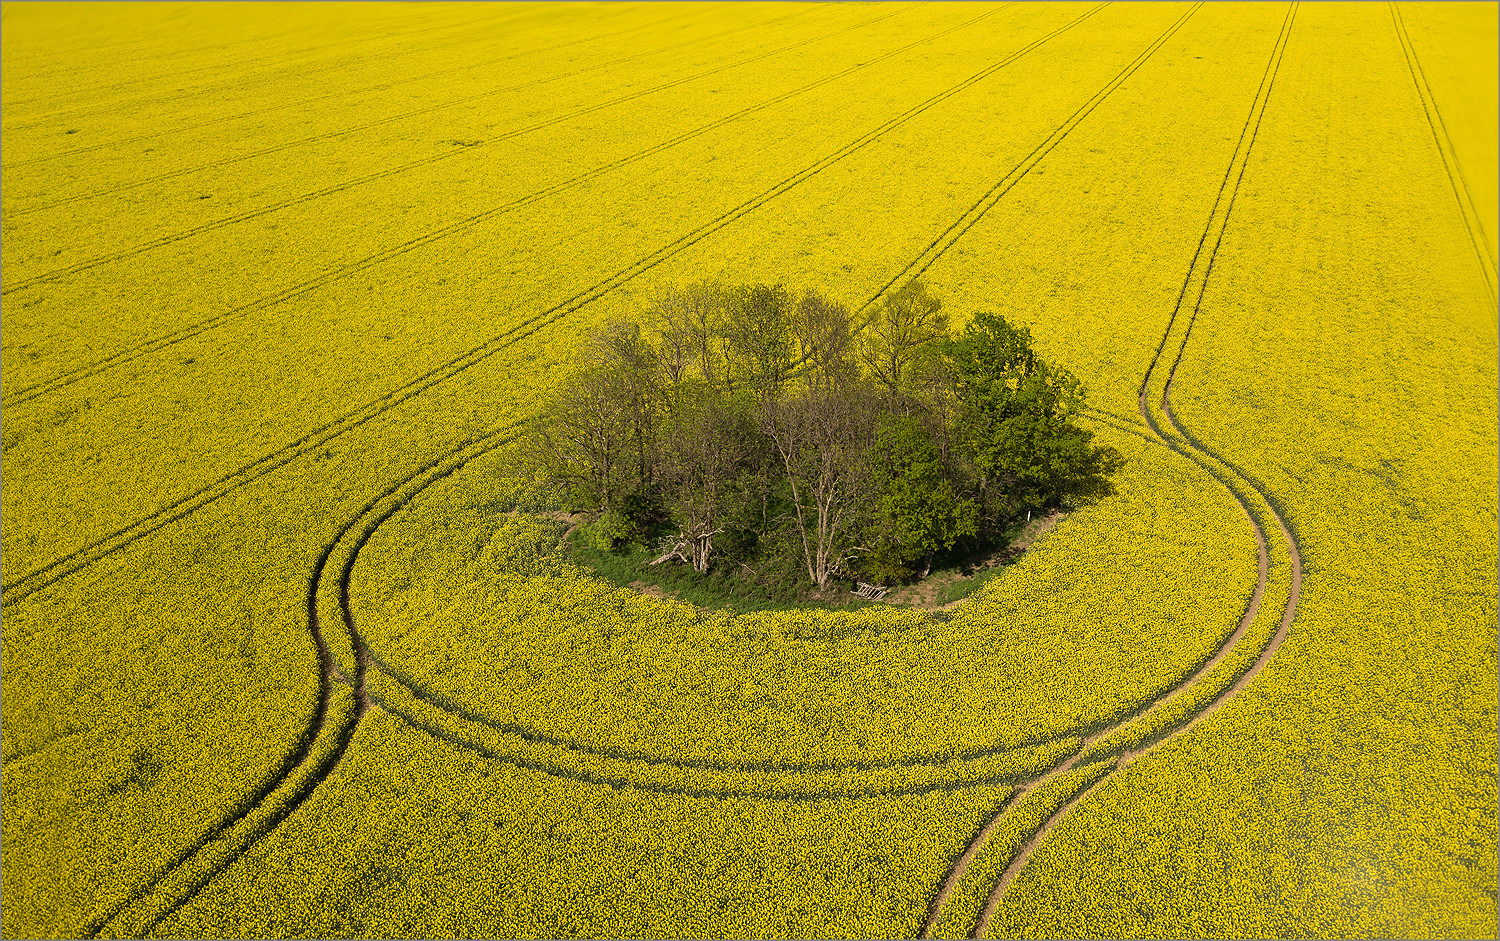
346, 674
22, 587
343, 700
346, 662
1245, 490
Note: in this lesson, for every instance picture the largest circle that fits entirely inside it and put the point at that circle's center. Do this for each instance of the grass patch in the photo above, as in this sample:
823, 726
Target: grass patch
725, 589
719, 589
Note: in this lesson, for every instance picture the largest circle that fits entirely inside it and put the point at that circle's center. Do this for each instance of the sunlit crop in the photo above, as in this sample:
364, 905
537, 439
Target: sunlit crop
293, 644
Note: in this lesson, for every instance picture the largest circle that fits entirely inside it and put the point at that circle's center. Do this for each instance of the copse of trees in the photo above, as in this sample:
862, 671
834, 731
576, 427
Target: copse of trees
746, 427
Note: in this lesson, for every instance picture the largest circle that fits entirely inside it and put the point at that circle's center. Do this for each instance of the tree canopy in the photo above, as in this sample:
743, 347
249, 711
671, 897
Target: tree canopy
747, 426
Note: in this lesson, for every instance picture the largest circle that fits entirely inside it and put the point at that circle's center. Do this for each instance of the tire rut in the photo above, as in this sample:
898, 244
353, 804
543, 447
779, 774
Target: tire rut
81, 110
241, 158
304, 102
960, 227
288, 788
465, 151
1449, 154
331, 275
24, 586
1199, 270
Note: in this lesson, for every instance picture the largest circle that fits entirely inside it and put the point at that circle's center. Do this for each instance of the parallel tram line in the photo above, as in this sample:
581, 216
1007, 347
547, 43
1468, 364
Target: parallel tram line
960, 226
618, 783
444, 155
182, 334
24, 586
1016, 795
1449, 154
456, 461
438, 701
367, 522
380, 509
1184, 444
380, 86
206, 87
289, 785
240, 158
219, 65
434, 470
1085, 752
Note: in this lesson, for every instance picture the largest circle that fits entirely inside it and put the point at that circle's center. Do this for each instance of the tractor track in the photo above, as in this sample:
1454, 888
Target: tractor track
1242, 681
464, 150
436, 470
1084, 754
207, 88
368, 89
227, 841
1191, 448
21, 754
960, 227
24, 586
129, 354
39, 119
1183, 443
1447, 152
457, 710
227, 161
615, 783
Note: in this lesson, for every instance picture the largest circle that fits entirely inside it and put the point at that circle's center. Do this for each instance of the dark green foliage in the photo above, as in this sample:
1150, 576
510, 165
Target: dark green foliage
918, 513
758, 436
1014, 421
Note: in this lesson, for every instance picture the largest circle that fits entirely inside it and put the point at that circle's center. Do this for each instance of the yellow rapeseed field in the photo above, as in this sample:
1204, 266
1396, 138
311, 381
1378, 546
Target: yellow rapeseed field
292, 647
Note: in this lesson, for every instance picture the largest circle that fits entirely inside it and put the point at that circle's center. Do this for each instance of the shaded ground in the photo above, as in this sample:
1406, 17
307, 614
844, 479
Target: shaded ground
944, 588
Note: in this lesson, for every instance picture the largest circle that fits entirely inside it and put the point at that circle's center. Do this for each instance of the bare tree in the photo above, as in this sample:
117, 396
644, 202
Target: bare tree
626, 357
758, 339
687, 324
824, 334
895, 330
823, 438
668, 319
585, 442
705, 444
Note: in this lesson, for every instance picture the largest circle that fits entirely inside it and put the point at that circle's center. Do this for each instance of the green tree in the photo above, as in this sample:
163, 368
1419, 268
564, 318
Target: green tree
918, 513
1015, 420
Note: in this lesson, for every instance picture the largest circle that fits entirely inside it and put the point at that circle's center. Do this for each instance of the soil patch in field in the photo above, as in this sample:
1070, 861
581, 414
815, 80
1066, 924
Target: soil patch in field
949, 587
